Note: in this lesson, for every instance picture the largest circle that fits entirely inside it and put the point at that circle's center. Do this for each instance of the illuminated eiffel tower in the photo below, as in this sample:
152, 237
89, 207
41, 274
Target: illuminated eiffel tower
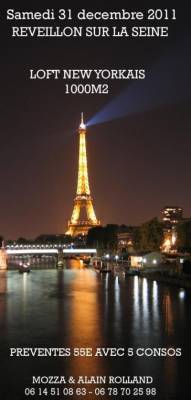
83, 199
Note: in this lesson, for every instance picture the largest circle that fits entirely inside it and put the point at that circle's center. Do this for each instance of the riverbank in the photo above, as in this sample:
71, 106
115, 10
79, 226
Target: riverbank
182, 281
163, 276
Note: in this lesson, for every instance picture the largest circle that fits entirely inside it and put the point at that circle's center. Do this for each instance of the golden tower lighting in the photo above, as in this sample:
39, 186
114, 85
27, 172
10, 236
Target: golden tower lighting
83, 199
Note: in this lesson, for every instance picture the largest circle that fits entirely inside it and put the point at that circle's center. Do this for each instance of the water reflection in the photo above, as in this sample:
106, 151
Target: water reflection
85, 329
106, 296
3, 302
168, 314
155, 303
117, 303
136, 304
145, 305
82, 308
182, 294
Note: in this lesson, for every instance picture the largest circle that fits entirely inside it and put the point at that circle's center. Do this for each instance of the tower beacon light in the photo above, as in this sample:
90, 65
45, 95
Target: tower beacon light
82, 125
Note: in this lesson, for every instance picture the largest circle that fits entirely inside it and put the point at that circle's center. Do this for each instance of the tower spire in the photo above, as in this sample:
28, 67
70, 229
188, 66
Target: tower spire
82, 125
83, 199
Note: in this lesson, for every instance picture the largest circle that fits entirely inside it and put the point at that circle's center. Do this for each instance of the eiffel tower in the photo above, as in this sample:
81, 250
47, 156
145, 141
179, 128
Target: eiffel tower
83, 199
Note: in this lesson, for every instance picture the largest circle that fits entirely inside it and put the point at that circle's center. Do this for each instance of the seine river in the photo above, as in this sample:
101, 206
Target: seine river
79, 307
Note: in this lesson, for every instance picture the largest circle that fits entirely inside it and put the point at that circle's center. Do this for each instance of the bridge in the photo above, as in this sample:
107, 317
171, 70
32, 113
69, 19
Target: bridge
47, 249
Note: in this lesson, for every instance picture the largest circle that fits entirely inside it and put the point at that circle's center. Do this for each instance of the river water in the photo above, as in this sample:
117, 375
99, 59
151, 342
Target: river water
79, 307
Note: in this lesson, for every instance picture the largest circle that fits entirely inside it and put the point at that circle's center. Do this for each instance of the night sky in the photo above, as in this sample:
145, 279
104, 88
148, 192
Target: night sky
137, 164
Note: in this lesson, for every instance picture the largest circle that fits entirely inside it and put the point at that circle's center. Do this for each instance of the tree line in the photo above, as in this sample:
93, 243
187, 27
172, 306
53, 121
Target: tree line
146, 237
